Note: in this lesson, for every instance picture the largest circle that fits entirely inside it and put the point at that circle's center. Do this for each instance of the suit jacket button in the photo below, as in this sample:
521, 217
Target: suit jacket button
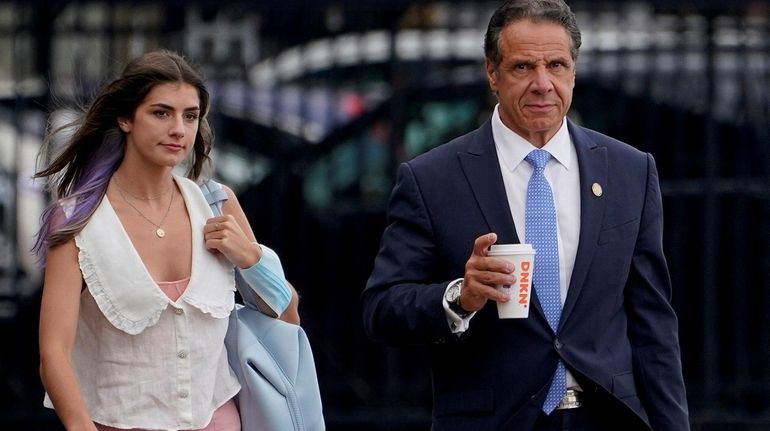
557, 344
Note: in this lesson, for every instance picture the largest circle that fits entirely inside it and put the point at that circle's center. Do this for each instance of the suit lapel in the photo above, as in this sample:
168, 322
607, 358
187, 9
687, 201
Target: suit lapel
592, 160
482, 170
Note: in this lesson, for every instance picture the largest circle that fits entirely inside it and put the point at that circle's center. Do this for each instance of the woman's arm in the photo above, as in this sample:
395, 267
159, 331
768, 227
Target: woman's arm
58, 325
231, 235
291, 314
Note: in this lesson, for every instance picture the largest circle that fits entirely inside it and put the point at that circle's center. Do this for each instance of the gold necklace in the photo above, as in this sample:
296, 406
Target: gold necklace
159, 231
151, 198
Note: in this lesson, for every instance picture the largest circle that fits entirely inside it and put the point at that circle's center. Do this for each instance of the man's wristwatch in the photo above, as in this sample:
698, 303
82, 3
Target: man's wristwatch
452, 296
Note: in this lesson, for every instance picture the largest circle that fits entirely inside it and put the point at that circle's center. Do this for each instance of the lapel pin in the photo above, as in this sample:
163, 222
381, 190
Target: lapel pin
597, 189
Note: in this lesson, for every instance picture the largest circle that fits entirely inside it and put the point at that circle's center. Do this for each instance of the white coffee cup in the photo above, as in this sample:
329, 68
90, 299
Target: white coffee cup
523, 258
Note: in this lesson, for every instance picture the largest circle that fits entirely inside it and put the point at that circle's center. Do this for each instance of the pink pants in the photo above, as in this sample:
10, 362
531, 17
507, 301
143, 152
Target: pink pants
225, 418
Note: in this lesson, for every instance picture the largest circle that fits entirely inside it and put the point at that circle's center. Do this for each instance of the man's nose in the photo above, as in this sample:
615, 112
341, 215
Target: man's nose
541, 80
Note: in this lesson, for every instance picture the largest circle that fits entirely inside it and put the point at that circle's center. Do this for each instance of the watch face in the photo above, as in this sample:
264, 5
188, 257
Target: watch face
453, 293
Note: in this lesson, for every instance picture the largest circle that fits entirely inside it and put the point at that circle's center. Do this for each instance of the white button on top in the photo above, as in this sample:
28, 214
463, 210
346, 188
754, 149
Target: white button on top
182, 354
178, 311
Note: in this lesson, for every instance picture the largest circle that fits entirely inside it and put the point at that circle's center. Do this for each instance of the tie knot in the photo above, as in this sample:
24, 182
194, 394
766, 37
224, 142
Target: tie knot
538, 158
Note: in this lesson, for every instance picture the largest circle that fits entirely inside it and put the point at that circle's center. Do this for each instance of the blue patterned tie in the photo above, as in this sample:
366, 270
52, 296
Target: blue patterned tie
540, 229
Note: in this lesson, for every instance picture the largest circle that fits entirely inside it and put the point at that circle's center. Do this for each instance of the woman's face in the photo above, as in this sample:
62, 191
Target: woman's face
163, 129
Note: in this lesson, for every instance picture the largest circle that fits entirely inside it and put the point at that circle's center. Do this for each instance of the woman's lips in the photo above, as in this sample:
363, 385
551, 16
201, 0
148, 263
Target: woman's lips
174, 147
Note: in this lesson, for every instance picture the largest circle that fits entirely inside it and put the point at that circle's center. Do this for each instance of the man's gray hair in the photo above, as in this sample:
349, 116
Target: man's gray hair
555, 11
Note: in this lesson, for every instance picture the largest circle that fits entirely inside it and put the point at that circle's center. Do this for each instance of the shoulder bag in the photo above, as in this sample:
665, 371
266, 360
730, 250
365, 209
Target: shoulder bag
272, 359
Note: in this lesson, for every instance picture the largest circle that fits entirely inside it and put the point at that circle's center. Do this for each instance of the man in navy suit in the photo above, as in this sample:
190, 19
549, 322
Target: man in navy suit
434, 284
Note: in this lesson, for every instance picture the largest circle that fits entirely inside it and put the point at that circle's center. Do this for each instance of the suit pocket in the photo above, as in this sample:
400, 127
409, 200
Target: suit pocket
615, 233
623, 385
475, 401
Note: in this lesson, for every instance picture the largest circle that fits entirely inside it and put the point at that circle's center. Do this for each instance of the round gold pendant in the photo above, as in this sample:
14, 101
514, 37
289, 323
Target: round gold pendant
160, 232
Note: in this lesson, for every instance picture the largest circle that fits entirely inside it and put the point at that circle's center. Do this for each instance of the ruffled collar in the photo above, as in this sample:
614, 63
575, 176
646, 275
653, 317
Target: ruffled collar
123, 288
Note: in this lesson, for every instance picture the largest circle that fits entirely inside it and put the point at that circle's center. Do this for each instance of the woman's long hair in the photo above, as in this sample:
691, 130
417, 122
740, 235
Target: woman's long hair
79, 175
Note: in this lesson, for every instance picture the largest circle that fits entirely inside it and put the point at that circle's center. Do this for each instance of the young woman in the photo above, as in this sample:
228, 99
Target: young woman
138, 274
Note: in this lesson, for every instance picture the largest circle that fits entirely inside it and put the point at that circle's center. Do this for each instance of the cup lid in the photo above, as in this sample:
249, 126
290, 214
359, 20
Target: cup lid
506, 249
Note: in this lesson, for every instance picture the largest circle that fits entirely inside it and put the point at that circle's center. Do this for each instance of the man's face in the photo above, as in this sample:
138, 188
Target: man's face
534, 80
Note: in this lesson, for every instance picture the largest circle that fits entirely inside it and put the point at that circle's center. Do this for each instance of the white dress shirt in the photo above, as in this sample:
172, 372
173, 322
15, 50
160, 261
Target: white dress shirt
564, 177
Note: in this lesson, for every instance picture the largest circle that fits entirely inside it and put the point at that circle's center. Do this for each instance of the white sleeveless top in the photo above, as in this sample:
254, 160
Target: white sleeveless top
143, 360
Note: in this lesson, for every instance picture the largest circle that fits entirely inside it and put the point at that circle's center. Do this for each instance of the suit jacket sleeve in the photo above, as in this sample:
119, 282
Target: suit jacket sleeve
402, 303
652, 323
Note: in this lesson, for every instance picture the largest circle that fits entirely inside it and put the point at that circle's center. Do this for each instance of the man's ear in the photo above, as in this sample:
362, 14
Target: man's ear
491, 74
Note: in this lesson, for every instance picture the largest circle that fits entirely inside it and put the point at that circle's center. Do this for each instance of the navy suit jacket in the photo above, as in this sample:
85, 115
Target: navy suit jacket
618, 331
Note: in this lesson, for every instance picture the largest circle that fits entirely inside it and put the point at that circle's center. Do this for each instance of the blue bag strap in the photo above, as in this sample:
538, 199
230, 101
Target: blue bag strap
215, 195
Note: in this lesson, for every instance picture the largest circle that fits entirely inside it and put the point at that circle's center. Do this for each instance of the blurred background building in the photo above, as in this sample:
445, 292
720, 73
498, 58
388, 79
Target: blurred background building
314, 105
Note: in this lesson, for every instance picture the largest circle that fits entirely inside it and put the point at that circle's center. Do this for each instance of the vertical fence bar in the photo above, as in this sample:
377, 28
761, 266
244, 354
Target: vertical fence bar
710, 316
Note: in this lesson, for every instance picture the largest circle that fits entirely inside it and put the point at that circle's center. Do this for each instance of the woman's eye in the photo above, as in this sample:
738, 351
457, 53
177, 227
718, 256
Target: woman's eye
191, 117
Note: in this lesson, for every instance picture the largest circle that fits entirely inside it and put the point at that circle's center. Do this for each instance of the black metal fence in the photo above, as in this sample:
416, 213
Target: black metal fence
309, 131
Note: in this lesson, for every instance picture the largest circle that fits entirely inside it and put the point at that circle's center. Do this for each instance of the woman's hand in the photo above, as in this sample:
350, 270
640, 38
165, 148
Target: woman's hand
223, 234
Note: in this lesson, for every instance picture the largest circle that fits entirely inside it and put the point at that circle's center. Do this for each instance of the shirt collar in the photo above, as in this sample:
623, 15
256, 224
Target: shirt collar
512, 148
126, 294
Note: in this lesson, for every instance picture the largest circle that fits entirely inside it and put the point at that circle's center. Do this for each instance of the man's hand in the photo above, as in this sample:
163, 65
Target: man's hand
483, 273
